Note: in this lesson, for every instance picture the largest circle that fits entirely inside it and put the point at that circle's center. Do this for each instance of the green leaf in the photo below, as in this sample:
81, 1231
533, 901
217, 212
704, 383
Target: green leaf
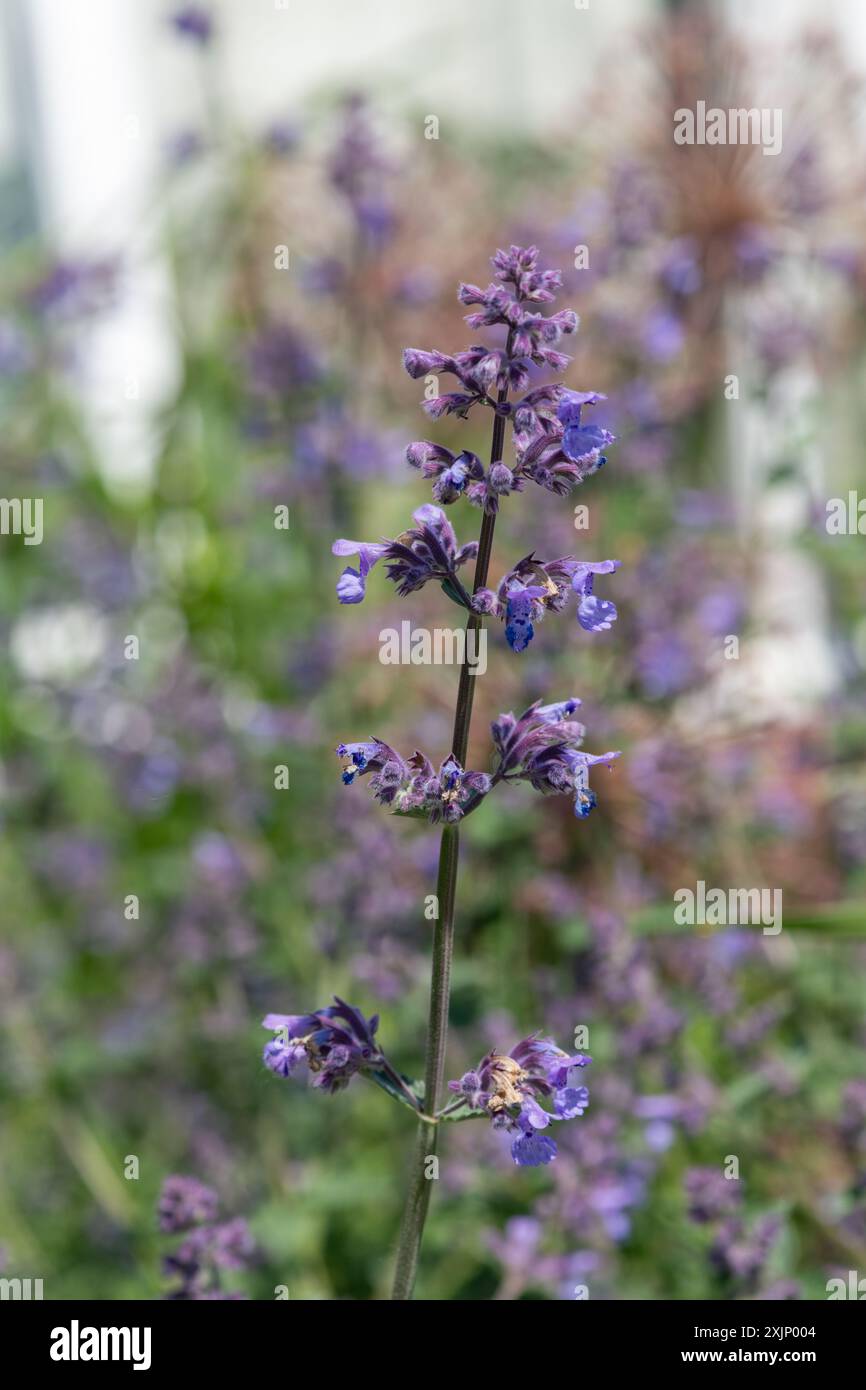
382, 1079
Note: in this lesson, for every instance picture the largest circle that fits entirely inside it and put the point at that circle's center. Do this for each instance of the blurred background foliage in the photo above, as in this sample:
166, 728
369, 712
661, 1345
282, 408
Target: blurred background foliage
139, 1035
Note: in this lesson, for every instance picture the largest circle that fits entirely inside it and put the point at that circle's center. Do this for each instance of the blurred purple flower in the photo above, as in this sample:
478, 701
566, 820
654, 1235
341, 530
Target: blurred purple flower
194, 22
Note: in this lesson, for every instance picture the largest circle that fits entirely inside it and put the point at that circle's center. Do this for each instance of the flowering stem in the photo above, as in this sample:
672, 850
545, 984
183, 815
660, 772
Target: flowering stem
418, 1196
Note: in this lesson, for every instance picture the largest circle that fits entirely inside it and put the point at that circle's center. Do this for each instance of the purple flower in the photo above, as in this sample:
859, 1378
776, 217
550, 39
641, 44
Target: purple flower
187, 1207
593, 614
352, 584
710, 1194
534, 587
413, 787
740, 1252
194, 22
280, 361
73, 289
555, 448
426, 551
462, 475
543, 747
509, 1090
483, 372
581, 443
185, 1202
336, 1043
281, 137
530, 1149
357, 169
183, 147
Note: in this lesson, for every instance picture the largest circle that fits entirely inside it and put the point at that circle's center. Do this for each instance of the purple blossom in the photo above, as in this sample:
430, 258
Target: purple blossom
194, 22
183, 147
74, 289
185, 1202
336, 1043
280, 360
710, 1194
426, 551
486, 373
543, 747
413, 787
208, 1247
555, 448
509, 1089
534, 587
281, 137
357, 169
580, 442
462, 475
741, 1252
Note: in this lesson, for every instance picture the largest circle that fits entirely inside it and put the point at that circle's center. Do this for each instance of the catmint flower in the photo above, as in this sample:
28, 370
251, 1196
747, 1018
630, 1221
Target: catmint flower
184, 1202
555, 448
509, 1090
593, 614
543, 747
462, 475
741, 1252
73, 289
534, 587
281, 138
280, 360
581, 442
358, 169
453, 473
483, 371
413, 787
336, 1043
193, 22
710, 1194
208, 1247
426, 551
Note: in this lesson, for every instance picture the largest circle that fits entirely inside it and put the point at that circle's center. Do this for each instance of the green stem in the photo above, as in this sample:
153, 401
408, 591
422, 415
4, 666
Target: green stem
427, 1137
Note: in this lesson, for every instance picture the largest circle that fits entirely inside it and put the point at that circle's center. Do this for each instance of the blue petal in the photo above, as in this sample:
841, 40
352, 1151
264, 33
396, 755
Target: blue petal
579, 441
350, 586
532, 1150
596, 614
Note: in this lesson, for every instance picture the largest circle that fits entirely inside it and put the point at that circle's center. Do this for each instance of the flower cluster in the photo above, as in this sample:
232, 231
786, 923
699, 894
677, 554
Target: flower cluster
711, 1194
543, 747
510, 1091
335, 1043
428, 550
533, 587
358, 169
186, 1207
413, 788
184, 1202
554, 447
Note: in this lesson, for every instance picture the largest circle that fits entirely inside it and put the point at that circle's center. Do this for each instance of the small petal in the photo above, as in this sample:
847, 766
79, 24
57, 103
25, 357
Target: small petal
596, 614
532, 1150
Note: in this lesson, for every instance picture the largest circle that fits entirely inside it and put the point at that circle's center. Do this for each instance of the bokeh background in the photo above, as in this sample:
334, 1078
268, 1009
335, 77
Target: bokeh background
164, 387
